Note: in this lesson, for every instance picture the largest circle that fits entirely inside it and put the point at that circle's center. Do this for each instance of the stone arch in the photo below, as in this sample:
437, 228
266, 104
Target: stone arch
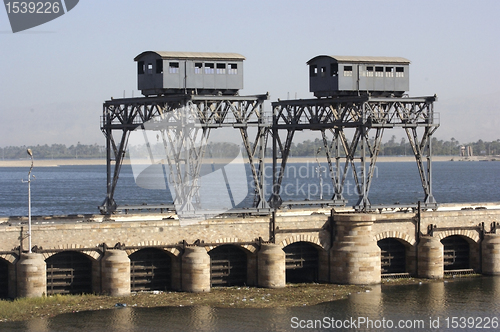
11, 258
229, 265
92, 254
174, 252
308, 238
407, 239
248, 248
408, 259
150, 269
302, 261
69, 272
460, 250
470, 235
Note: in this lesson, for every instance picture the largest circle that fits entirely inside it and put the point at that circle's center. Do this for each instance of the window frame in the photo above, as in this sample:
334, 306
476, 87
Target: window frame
173, 67
347, 71
220, 68
209, 68
400, 71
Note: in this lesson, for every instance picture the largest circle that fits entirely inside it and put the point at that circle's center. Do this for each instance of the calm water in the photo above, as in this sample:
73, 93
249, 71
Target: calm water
81, 189
427, 307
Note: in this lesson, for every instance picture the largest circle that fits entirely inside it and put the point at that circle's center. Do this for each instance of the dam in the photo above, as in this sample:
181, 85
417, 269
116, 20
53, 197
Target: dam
120, 253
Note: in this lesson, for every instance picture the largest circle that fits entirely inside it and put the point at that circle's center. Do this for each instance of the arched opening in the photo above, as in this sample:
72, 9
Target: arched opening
301, 259
393, 256
150, 269
456, 253
228, 266
4, 279
69, 272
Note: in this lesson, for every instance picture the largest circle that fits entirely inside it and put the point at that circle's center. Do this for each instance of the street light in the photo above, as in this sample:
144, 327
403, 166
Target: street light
29, 200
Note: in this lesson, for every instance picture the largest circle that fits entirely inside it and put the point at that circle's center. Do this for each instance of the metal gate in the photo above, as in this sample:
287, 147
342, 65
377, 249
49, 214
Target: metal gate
69, 272
456, 253
393, 256
228, 266
301, 262
4, 279
150, 269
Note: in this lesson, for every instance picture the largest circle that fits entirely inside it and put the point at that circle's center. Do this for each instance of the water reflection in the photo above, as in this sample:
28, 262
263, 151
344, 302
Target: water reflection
475, 297
37, 325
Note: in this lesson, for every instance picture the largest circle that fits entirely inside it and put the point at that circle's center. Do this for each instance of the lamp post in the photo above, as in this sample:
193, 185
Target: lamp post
29, 200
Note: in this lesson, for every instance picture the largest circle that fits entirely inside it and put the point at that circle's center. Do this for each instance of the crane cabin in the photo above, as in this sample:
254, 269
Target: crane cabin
331, 76
202, 73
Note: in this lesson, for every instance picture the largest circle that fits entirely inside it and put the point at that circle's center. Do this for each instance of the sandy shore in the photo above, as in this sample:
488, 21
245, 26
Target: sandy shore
81, 162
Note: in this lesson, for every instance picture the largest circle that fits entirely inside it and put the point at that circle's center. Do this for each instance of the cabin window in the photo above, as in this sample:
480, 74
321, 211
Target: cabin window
221, 68
362, 70
140, 67
334, 69
347, 70
173, 67
323, 71
159, 66
400, 71
389, 72
233, 69
369, 71
379, 71
313, 70
150, 68
209, 68
197, 67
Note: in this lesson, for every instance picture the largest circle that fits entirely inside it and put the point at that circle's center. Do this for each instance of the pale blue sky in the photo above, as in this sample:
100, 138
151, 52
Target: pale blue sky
55, 77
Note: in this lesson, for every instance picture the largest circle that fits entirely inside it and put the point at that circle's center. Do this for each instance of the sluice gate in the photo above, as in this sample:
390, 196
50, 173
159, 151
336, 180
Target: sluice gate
301, 261
150, 269
4, 279
393, 256
456, 253
228, 266
69, 272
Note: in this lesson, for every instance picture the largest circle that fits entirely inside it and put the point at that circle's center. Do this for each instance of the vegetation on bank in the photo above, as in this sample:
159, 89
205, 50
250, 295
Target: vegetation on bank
402, 148
222, 297
307, 148
292, 295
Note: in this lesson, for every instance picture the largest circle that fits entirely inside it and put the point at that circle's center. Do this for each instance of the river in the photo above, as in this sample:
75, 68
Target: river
81, 189
466, 304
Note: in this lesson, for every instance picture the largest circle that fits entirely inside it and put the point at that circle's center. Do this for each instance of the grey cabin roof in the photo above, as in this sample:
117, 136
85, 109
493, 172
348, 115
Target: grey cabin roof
194, 55
363, 59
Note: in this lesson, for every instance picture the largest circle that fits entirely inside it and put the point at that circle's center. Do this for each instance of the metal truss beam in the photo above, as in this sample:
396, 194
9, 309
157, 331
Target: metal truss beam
122, 116
365, 115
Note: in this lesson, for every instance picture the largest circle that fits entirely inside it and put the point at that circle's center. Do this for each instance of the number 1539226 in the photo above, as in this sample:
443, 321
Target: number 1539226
471, 322
22, 7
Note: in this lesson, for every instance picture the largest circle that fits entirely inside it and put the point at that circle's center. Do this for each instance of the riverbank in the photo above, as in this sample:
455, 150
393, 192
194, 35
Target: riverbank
83, 162
220, 297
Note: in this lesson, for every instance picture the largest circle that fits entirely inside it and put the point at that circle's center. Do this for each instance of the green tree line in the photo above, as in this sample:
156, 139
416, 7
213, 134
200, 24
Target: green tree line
54, 151
306, 148
402, 147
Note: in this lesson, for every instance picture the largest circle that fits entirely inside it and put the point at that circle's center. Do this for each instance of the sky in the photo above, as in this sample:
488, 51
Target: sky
55, 77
